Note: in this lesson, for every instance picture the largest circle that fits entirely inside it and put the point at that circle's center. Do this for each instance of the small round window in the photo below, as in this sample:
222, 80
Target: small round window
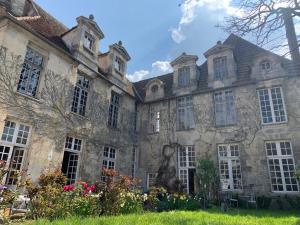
265, 65
154, 88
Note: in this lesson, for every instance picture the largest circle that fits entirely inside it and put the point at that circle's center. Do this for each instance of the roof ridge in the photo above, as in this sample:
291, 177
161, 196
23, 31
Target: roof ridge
156, 77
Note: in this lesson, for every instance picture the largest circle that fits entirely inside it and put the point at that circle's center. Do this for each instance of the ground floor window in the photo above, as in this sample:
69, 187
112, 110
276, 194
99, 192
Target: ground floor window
109, 161
133, 162
15, 165
71, 158
151, 180
230, 167
186, 167
281, 166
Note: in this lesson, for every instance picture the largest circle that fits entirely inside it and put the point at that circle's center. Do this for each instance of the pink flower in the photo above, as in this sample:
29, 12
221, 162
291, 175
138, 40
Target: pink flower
71, 188
92, 187
85, 185
66, 188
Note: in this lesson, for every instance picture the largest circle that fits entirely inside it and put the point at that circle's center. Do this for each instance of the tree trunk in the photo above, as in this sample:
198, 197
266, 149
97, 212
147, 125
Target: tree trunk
291, 36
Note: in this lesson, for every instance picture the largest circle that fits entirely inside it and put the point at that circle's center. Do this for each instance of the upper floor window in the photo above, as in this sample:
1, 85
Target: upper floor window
114, 110
119, 65
184, 76
185, 113
154, 89
30, 73
272, 105
80, 95
220, 68
265, 65
88, 41
154, 121
225, 110
281, 166
230, 167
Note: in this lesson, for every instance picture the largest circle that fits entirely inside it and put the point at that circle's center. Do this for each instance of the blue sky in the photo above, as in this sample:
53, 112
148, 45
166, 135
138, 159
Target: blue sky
153, 31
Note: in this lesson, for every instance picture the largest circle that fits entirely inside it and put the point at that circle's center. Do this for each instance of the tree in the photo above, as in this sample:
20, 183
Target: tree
268, 21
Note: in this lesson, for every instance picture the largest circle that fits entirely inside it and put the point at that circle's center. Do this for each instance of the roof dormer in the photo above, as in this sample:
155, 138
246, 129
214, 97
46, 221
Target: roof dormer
154, 89
221, 65
83, 40
114, 62
185, 73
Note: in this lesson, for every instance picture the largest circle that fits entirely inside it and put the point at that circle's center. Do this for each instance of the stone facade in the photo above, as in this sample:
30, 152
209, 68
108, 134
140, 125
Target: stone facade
240, 109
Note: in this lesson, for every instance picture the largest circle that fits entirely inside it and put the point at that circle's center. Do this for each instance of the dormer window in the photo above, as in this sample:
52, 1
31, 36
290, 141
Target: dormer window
265, 65
154, 89
220, 68
88, 41
119, 65
184, 76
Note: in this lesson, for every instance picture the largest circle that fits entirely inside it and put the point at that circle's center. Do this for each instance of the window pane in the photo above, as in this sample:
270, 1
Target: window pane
8, 131
278, 105
220, 68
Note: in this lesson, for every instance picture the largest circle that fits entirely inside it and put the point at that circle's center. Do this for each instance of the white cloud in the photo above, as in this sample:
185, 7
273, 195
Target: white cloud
158, 68
138, 75
190, 9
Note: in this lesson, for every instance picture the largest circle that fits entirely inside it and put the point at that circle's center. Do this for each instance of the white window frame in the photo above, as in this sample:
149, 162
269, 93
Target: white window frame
74, 151
108, 159
280, 157
88, 41
272, 106
185, 113
225, 103
82, 89
229, 158
13, 144
184, 76
154, 120
223, 71
148, 179
186, 164
119, 65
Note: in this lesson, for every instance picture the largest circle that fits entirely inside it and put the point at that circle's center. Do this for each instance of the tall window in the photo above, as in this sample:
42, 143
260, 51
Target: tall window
186, 165
114, 110
230, 167
151, 180
220, 68
30, 73
154, 121
225, 110
281, 166
109, 161
184, 76
119, 65
133, 162
88, 41
272, 105
135, 117
80, 95
185, 113
71, 158
14, 140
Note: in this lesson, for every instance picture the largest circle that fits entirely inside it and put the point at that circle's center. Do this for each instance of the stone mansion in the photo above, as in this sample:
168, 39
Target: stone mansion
65, 104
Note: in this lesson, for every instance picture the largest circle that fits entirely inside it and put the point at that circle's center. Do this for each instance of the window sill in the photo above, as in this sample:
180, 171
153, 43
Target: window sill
274, 193
187, 129
225, 126
119, 72
153, 133
78, 115
88, 50
274, 124
29, 97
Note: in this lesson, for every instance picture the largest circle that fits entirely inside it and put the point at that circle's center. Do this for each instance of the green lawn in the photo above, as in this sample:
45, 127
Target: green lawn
209, 217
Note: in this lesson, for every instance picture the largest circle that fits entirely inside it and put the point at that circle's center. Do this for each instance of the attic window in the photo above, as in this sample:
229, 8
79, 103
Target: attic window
88, 41
119, 65
265, 65
154, 88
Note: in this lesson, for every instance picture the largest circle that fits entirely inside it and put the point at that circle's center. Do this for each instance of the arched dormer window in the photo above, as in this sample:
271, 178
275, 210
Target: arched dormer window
154, 89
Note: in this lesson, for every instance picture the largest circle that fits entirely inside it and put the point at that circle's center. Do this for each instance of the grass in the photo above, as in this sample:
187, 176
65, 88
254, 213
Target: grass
207, 217
211, 217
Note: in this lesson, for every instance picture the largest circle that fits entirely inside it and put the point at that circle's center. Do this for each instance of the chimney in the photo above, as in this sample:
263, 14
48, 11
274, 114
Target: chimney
17, 7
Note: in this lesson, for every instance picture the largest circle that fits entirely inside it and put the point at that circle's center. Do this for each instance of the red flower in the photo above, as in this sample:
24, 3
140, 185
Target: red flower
71, 188
85, 185
66, 188
92, 187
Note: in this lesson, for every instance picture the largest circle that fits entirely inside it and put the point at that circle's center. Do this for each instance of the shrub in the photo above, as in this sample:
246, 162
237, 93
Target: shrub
51, 199
263, 202
119, 194
208, 181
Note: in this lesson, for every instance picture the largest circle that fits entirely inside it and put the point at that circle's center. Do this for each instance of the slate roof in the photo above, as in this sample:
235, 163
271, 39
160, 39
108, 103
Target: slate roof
244, 53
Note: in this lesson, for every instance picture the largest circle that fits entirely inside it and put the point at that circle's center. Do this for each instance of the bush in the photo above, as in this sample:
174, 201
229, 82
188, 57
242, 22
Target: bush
51, 199
263, 202
119, 195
